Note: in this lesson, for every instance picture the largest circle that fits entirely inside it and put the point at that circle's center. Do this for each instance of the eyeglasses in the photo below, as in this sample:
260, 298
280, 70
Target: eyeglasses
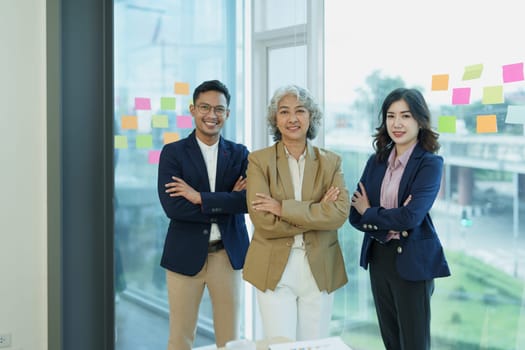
205, 108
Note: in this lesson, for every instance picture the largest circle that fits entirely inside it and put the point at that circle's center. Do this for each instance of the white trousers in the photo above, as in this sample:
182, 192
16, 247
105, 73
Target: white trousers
296, 309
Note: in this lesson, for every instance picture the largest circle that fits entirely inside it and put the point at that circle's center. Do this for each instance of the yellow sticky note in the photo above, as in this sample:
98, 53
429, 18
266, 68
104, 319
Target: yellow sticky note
159, 121
182, 88
170, 137
129, 122
144, 141
486, 124
121, 141
440, 82
492, 95
472, 71
447, 124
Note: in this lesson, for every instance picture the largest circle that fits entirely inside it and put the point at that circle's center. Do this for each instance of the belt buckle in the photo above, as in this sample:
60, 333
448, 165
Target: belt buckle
215, 246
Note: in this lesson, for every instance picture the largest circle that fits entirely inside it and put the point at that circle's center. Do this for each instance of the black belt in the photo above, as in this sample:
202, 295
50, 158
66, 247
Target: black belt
215, 246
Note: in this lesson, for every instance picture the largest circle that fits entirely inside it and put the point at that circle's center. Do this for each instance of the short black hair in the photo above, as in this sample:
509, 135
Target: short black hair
212, 85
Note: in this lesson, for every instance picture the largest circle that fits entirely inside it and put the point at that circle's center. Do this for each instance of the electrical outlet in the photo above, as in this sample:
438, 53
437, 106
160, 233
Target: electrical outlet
5, 340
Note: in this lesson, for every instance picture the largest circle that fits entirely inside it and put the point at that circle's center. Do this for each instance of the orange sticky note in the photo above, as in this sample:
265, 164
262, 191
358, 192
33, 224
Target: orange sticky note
129, 122
170, 137
182, 89
440, 82
486, 124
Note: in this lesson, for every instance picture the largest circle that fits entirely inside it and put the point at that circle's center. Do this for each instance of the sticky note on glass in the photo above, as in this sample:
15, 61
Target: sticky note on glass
512, 72
144, 141
159, 121
142, 103
121, 141
129, 122
440, 82
472, 71
492, 95
184, 122
447, 124
167, 103
486, 124
153, 157
182, 88
461, 96
170, 137
515, 115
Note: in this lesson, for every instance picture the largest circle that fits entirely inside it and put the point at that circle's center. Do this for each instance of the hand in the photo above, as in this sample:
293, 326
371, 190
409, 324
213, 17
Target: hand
360, 199
331, 195
409, 198
179, 188
240, 184
267, 204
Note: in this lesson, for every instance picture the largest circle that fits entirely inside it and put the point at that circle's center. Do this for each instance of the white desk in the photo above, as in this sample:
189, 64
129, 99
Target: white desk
261, 344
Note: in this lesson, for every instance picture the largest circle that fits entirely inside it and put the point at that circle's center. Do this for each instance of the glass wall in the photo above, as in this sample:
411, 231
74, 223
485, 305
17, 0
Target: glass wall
163, 50
468, 62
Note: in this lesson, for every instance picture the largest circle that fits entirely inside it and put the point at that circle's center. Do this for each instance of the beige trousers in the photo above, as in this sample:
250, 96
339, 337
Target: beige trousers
185, 294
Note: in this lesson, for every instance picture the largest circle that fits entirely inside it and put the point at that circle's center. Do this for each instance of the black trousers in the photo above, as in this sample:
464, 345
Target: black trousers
402, 307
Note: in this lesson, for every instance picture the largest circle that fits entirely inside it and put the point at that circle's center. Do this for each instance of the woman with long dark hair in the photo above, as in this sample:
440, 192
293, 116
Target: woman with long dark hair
391, 206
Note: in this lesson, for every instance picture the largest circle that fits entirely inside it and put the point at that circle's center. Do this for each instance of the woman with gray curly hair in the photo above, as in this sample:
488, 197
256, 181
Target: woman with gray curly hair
297, 200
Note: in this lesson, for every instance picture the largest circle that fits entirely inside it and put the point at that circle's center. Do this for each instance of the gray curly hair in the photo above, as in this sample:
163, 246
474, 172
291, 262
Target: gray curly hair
305, 98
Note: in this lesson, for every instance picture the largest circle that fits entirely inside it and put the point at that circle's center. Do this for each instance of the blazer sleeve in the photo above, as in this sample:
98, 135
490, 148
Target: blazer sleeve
176, 208
266, 224
314, 215
226, 201
423, 185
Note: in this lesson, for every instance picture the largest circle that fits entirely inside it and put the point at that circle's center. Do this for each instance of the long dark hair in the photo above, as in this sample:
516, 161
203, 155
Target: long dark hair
427, 137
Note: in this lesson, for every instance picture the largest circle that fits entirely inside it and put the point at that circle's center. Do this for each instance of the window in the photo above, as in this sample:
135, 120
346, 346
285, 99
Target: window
375, 47
163, 50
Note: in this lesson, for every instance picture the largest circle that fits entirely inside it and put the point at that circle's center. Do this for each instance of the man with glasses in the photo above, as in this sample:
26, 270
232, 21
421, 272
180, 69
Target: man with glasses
201, 186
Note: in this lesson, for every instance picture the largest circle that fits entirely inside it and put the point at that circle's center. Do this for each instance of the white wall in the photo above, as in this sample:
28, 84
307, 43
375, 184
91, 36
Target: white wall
23, 247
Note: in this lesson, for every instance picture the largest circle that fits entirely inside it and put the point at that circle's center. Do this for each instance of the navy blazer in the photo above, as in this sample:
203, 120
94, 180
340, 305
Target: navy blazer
186, 244
420, 254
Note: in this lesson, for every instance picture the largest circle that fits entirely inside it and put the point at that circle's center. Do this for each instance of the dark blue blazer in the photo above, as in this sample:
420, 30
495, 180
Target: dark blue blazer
186, 244
420, 254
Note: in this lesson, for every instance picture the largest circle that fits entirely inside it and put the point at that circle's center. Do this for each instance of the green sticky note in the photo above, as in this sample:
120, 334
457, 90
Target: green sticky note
167, 103
472, 72
492, 95
121, 141
144, 141
447, 123
159, 121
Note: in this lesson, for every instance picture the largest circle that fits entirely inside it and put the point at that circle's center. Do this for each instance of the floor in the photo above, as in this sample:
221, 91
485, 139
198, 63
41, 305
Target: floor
142, 328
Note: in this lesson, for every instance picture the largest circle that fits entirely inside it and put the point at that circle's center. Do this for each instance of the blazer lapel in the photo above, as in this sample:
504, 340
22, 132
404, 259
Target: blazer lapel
195, 155
283, 171
310, 169
408, 174
223, 161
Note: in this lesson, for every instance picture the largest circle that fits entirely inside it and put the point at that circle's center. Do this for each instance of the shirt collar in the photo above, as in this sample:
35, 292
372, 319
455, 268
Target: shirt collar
288, 155
403, 159
206, 147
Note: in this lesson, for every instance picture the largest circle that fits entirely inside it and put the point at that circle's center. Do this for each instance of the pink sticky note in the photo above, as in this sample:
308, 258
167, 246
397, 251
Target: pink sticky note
142, 103
184, 122
512, 72
461, 96
153, 157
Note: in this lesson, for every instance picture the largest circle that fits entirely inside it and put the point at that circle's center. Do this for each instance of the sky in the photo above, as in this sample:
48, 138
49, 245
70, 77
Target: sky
416, 39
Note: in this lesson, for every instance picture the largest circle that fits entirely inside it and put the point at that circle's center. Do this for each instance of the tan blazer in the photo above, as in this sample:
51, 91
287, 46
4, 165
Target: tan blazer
268, 172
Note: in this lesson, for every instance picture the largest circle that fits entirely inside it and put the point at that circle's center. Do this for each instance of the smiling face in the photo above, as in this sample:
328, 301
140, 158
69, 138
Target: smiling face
209, 120
401, 126
293, 120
